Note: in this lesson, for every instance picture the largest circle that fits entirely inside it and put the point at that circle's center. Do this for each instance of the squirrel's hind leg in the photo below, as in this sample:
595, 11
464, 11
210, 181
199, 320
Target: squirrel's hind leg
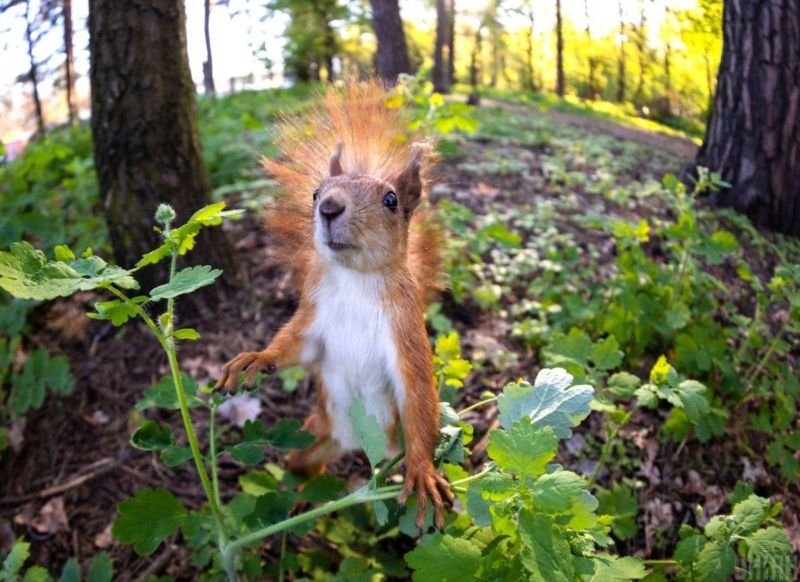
311, 462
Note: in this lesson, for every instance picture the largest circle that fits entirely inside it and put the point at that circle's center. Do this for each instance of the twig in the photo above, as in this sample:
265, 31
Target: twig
90, 472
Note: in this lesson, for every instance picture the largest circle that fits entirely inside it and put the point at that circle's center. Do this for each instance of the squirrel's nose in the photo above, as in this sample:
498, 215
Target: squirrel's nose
330, 208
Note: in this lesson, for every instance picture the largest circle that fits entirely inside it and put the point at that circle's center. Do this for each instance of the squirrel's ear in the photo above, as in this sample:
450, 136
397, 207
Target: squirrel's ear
408, 182
336, 163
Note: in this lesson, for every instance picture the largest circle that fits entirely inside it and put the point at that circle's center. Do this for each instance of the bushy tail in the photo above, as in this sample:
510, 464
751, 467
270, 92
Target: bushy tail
376, 142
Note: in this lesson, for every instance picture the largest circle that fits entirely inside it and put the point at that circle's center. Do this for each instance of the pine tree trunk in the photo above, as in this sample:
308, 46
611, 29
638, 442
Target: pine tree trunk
208, 65
441, 66
69, 61
753, 134
146, 143
559, 51
392, 58
33, 72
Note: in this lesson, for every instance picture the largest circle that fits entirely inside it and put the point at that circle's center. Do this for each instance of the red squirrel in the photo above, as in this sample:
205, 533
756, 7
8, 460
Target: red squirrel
366, 259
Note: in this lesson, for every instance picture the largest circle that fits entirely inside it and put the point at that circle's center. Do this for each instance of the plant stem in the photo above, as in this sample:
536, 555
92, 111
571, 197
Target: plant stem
363, 495
212, 452
283, 555
476, 405
660, 562
387, 467
470, 478
606, 451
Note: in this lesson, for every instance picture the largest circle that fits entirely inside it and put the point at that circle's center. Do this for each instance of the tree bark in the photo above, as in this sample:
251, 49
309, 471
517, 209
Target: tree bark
392, 58
441, 66
208, 65
144, 127
530, 35
559, 51
621, 62
33, 72
69, 61
451, 42
753, 134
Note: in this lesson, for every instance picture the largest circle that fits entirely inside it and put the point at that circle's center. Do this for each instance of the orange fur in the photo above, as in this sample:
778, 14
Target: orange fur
400, 245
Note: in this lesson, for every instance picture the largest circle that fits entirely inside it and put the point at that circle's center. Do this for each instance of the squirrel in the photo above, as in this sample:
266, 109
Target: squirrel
366, 259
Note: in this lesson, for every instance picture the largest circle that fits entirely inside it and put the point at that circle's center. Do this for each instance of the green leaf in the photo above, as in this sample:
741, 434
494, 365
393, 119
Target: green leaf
692, 395
26, 273
715, 562
369, 433
63, 253
270, 508
71, 572
172, 456
116, 311
13, 562
606, 354
101, 569
256, 483
623, 384
162, 395
186, 281
36, 574
186, 334
247, 453
750, 514
287, 434
557, 492
148, 518
607, 568
546, 553
323, 488
689, 548
477, 506
620, 502
443, 558
570, 351
525, 450
151, 436
381, 512
768, 554
549, 402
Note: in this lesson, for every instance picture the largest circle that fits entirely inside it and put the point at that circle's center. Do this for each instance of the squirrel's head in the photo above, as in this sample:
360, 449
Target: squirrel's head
361, 221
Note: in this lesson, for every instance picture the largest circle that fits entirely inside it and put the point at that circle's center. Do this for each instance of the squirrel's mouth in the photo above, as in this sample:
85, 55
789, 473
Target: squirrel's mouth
340, 246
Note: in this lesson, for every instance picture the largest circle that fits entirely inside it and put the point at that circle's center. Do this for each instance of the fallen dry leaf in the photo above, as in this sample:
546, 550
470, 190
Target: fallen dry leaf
103, 539
239, 409
484, 189
51, 517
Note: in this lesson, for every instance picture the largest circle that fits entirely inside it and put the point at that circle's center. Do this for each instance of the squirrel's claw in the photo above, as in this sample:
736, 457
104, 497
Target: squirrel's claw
248, 362
427, 484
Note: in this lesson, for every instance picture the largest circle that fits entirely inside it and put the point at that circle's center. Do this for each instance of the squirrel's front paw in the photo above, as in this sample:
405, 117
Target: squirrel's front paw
251, 363
427, 483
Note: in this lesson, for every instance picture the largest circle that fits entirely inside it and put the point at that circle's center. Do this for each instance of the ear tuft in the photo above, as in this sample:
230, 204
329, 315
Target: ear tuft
336, 164
408, 182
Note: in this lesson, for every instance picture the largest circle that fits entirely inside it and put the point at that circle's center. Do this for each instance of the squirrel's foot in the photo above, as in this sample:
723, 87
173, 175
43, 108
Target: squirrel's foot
251, 363
427, 484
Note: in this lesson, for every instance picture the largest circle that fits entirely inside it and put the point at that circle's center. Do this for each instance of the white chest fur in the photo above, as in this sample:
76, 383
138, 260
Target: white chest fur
351, 337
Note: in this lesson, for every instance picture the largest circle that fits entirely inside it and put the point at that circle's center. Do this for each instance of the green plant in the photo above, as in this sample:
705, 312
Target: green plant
101, 568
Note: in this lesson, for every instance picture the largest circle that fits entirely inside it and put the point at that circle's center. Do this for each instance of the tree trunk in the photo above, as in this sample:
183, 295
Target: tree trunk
668, 80
592, 62
474, 68
33, 72
531, 31
753, 134
69, 61
208, 65
451, 42
441, 66
392, 57
559, 51
621, 62
641, 48
144, 127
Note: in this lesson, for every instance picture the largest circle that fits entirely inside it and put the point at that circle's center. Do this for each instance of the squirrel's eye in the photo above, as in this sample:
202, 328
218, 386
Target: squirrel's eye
315, 195
390, 201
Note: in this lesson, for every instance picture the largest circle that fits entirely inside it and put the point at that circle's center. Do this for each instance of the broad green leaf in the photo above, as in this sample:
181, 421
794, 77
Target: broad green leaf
768, 553
185, 281
546, 553
620, 502
256, 483
116, 311
549, 402
369, 433
623, 384
477, 506
557, 492
247, 453
101, 569
148, 518
715, 562
36, 574
71, 572
323, 488
26, 273
381, 512
270, 508
750, 514
689, 548
606, 354
151, 436
444, 558
525, 449
186, 334
571, 351
607, 568
63, 253
172, 456
162, 395
287, 434
13, 562
692, 395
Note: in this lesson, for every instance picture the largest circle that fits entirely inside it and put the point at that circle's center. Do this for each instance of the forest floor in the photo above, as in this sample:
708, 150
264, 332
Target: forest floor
538, 174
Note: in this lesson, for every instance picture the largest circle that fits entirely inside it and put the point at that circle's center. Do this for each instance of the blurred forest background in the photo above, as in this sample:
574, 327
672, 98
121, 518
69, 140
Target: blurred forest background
590, 151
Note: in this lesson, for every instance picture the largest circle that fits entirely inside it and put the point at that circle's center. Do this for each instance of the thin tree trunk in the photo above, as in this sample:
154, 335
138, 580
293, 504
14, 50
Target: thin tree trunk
559, 51
531, 31
451, 42
641, 49
621, 62
592, 61
208, 65
392, 58
753, 134
144, 127
668, 79
33, 72
441, 66
69, 69
474, 68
